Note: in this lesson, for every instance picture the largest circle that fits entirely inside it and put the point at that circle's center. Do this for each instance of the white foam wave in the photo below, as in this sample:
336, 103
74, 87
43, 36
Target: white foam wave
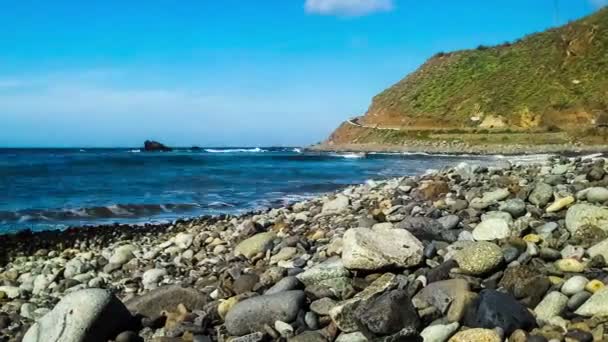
593, 156
349, 155
297, 150
236, 150
134, 151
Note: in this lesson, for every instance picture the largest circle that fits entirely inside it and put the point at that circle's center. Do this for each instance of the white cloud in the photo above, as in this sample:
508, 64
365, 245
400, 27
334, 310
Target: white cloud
350, 8
599, 3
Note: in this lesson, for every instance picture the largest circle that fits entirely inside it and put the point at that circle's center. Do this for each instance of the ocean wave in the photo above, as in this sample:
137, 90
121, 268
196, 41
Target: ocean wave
236, 150
297, 150
349, 155
134, 151
592, 156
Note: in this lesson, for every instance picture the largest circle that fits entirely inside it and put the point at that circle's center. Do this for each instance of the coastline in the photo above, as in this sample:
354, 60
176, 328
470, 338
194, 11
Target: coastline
225, 260
458, 148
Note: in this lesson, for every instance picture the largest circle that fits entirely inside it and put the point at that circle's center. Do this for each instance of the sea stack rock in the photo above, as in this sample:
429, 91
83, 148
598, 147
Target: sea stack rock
155, 146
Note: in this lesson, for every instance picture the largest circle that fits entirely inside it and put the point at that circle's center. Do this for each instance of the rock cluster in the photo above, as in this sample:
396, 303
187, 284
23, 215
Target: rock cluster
470, 253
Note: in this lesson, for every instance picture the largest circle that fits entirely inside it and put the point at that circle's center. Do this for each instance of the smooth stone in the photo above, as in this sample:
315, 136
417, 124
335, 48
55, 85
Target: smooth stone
560, 203
449, 222
128, 336
151, 277
491, 229
284, 329
479, 257
577, 300
122, 254
574, 285
477, 335
166, 298
27, 310
541, 195
552, 305
597, 305
515, 206
322, 306
312, 320
601, 248
245, 283
307, 336
489, 198
389, 313
570, 265
254, 245
495, 309
585, 214
336, 205
450, 297
439, 332
250, 315
285, 284
285, 253
597, 195
352, 337
74, 267
367, 249
86, 315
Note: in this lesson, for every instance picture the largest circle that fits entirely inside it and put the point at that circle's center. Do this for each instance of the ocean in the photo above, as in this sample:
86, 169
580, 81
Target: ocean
43, 189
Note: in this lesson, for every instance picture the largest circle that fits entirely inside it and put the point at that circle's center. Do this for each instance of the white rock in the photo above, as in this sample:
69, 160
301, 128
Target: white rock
597, 305
439, 332
337, 205
151, 277
582, 214
122, 254
552, 305
574, 285
184, 240
597, 195
491, 229
368, 249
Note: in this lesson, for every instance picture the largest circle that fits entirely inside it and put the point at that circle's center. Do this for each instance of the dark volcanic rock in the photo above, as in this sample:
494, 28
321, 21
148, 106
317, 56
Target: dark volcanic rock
389, 313
155, 146
495, 309
425, 228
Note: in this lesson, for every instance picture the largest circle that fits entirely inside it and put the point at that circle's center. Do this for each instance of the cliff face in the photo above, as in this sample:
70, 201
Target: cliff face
555, 80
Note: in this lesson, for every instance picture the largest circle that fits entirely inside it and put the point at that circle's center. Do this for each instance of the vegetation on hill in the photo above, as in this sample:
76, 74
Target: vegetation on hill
551, 81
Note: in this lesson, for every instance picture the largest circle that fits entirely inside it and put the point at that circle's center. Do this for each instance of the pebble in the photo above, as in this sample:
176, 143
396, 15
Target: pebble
477, 335
479, 257
574, 285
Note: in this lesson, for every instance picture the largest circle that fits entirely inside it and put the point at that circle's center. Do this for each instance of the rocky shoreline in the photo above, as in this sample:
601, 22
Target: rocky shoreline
463, 254
460, 148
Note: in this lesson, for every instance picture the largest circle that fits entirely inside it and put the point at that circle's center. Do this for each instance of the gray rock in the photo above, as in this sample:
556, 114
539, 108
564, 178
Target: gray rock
601, 248
336, 205
352, 337
285, 284
552, 305
252, 314
584, 214
322, 306
256, 244
389, 313
597, 305
74, 267
84, 316
541, 195
166, 298
122, 254
449, 222
368, 249
597, 195
184, 240
489, 198
151, 277
11, 292
578, 299
324, 272
516, 207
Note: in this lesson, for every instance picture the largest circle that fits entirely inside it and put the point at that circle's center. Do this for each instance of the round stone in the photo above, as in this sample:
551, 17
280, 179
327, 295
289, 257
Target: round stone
570, 265
479, 257
574, 285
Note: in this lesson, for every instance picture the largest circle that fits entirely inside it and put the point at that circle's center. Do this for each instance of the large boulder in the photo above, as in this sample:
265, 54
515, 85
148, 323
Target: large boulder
155, 146
89, 315
389, 313
367, 249
253, 314
585, 214
166, 298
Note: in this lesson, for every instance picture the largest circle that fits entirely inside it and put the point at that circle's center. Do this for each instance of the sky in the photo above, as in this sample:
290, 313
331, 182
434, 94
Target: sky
230, 72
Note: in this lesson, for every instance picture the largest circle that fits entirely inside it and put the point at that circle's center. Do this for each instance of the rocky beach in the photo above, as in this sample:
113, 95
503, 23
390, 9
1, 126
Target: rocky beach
469, 253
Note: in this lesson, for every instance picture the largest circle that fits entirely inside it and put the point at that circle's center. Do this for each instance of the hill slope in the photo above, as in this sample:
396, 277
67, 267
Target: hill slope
551, 81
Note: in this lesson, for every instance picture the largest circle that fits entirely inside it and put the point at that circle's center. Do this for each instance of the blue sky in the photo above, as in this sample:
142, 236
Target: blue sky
230, 72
